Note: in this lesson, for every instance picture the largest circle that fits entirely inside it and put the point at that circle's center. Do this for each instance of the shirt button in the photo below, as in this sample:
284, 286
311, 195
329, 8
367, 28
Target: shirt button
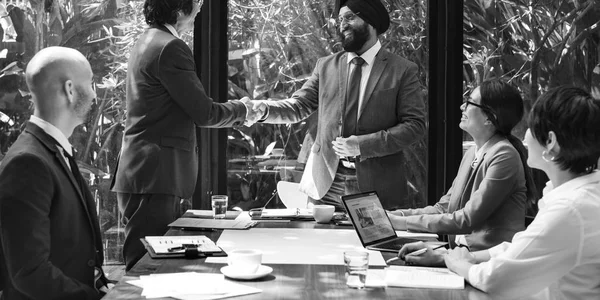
91, 263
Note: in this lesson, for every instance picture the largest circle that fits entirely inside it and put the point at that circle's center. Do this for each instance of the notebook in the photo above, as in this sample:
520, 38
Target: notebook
422, 277
373, 225
178, 246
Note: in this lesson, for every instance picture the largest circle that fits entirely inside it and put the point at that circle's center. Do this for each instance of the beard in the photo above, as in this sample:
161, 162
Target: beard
357, 39
83, 104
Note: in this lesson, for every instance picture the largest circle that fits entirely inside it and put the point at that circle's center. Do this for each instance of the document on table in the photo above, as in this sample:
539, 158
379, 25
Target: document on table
422, 277
171, 244
196, 223
416, 235
190, 285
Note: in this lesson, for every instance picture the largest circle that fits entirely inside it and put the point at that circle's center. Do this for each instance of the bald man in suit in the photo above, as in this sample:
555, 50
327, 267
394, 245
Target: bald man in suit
49, 234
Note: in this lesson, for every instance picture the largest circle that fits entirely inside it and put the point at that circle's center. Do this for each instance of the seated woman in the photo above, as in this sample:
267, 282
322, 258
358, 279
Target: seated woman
559, 249
487, 201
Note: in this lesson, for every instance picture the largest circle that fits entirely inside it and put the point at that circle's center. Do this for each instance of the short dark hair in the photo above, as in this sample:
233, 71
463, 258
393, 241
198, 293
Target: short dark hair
161, 12
574, 117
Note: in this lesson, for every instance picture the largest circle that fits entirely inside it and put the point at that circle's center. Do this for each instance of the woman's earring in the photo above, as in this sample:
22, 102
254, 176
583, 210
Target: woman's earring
545, 156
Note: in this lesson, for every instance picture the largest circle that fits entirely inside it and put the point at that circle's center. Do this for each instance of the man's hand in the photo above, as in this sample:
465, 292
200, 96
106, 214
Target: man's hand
431, 258
398, 222
255, 110
346, 147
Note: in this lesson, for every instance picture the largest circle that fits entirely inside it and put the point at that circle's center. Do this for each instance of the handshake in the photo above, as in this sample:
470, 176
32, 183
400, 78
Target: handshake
256, 110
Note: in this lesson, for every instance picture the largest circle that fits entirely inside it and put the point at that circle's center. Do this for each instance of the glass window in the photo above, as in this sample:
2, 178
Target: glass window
273, 48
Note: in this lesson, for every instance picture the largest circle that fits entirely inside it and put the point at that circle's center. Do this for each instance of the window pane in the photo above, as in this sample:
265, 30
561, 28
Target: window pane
273, 48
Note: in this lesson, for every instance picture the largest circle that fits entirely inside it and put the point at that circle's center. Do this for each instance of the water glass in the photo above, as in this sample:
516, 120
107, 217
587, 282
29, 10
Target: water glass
357, 264
219, 206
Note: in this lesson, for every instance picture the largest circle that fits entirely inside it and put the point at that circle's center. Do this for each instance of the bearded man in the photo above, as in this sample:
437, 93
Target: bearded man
370, 109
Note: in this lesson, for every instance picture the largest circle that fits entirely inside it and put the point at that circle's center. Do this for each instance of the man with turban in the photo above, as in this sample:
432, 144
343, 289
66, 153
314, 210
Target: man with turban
370, 109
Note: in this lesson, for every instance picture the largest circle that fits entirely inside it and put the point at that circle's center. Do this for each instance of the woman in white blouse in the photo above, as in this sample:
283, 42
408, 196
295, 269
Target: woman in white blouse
559, 253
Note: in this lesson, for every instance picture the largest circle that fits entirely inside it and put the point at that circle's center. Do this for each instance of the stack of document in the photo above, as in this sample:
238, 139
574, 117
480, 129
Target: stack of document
238, 223
190, 285
422, 277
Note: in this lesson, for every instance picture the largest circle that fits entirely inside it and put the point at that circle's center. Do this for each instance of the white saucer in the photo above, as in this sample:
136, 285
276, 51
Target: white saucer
262, 271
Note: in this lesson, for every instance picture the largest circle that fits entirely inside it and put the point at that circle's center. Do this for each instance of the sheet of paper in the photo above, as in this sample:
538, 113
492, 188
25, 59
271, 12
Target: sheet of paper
190, 285
287, 213
295, 246
208, 214
212, 224
290, 194
162, 244
416, 235
422, 277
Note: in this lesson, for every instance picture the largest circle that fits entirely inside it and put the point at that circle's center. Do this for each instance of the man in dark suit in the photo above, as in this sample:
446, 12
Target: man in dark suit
370, 108
50, 239
158, 164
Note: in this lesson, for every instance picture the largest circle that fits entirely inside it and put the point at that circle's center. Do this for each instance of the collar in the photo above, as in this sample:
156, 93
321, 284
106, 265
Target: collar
368, 56
172, 30
54, 132
573, 184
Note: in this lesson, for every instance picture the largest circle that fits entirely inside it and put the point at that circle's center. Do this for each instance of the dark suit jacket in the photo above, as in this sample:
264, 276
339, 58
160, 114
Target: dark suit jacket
165, 103
48, 239
392, 117
487, 204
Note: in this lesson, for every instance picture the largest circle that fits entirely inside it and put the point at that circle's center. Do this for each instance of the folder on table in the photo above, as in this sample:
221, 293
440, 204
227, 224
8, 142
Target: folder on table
286, 213
181, 246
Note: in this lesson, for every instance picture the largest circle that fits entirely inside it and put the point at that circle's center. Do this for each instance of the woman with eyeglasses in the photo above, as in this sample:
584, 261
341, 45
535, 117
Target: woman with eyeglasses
486, 203
557, 256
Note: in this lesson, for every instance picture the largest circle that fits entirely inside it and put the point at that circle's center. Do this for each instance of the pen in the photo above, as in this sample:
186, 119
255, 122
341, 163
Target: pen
414, 253
418, 252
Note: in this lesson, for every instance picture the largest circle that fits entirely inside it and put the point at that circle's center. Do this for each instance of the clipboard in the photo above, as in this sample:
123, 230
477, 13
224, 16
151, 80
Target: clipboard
188, 251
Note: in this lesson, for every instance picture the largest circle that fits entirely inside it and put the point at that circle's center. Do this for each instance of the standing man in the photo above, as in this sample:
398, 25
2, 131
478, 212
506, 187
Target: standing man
370, 108
51, 246
158, 164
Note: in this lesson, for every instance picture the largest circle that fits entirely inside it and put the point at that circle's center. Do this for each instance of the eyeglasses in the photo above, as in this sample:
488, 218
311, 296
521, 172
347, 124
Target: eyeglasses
349, 17
487, 110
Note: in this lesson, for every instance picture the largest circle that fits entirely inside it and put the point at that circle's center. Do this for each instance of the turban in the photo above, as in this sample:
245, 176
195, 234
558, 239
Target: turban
371, 11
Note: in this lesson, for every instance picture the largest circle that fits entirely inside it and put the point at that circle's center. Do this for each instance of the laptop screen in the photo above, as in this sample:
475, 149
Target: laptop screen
368, 216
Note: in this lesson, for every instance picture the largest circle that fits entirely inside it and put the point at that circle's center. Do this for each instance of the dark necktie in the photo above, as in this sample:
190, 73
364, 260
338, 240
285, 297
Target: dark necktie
353, 92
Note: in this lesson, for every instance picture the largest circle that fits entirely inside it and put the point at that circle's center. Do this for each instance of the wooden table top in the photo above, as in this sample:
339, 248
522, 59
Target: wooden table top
286, 281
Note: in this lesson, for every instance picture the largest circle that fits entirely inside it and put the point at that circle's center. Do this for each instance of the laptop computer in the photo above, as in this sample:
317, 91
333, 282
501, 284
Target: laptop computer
373, 225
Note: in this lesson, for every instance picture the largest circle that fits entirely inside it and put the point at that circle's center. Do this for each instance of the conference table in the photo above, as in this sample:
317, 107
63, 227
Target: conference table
287, 281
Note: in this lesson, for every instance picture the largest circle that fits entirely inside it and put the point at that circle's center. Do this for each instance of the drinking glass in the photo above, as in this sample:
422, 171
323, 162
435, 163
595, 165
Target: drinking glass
219, 206
357, 263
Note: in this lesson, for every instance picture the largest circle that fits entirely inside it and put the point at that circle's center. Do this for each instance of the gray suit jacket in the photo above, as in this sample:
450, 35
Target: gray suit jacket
165, 103
486, 204
392, 117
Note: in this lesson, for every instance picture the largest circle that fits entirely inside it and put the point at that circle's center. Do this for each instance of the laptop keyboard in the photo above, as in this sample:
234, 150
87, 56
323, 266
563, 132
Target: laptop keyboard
393, 244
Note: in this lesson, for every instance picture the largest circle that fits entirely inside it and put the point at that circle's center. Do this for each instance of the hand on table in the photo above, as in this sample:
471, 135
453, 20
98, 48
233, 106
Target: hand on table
430, 258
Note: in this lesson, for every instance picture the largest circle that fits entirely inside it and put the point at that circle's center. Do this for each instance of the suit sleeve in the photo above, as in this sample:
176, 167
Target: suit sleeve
441, 207
302, 104
494, 189
410, 113
25, 229
178, 75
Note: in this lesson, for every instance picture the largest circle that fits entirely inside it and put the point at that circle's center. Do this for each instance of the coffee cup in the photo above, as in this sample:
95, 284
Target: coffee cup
244, 261
323, 213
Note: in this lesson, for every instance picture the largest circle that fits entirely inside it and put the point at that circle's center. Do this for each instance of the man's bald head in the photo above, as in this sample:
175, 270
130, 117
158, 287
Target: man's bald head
51, 67
60, 81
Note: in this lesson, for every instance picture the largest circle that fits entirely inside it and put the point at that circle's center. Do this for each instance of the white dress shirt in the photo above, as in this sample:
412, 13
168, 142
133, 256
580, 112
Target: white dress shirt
560, 249
369, 57
51, 130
